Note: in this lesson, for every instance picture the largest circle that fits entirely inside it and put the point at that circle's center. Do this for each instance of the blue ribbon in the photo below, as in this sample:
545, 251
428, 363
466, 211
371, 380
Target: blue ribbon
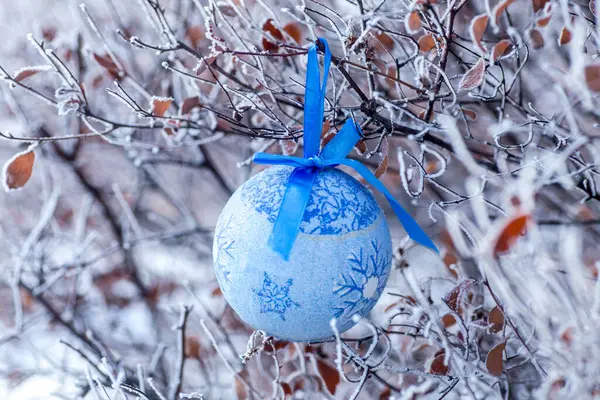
306, 169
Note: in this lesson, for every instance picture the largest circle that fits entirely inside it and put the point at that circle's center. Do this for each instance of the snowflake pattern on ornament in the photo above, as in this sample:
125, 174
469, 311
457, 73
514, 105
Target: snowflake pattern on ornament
338, 203
225, 246
275, 298
363, 284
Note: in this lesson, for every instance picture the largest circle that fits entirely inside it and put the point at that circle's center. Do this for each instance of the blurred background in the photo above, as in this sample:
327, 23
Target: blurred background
126, 126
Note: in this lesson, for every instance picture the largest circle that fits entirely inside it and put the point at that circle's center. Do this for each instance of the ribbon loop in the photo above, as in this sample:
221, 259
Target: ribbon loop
306, 169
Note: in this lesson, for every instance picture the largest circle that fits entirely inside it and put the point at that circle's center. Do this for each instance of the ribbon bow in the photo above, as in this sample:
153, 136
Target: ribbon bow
297, 193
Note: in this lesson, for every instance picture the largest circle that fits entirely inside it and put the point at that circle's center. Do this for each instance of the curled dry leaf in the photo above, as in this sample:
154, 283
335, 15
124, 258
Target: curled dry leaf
537, 40
412, 22
496, 319
159, 105
383, 164
565, 36
499, 9
592, 77
510, 233
330, 375
477, 29
501, 49
473, 78
493, 361
18, 170
426, 43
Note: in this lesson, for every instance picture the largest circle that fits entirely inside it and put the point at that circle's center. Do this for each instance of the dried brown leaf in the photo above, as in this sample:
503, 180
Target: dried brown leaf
26, 72
385, 40
471, 114
501, 49
240, 389
565, 36
448, 320
499, 9
330, 375
496, 319
592, 77
413, 22
383, 164
494, 362
537, 40
18, 170
462, 294
511, 232
270, 27
189, 104
192, 347
109, 65
426, 43
543, 21
477, 29
538, 4
473, 78
160, 105
196, 34
361, 147
437, 366
294, 30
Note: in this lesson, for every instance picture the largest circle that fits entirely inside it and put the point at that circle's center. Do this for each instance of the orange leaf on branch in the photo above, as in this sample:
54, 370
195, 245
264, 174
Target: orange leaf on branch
383, 164
426, 43
500, 8
496, 319
494, 362
473, 78
330, 375
592, 77
294, 30
412, 22
537, 40
501, 49
477, 29
437, 366
160, 105
565, 36
18, 170
511, 232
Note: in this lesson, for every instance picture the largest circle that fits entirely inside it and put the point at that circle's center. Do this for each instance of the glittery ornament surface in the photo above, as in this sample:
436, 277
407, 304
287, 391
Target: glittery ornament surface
338, 266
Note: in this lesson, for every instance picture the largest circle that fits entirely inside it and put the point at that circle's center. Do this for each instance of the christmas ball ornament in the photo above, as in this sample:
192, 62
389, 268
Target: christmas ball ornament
338, 266
303, 243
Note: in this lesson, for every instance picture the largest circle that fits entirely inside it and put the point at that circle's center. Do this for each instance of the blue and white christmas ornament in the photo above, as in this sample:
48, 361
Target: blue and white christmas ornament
303, 242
